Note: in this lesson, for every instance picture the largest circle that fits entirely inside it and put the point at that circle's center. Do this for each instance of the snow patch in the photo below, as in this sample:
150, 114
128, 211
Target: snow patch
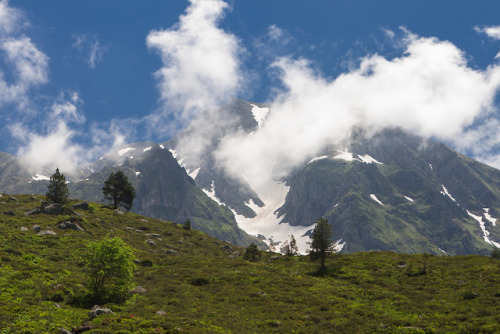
442, 250
137, 173
431, 167
492, 220
194, 173
101, 158
267, 223
259, 114
348, 156
344, 155
318, 158
483, 228
338, 245
376, 199
174, 152
409, 199
368, 159
162, 147
147, 149
40, 177
446, 193
211, 193
125, 150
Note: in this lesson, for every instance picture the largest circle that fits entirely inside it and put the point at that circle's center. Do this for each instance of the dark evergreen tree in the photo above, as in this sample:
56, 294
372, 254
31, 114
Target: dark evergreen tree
118, 189
495, 253
57, 190
252, 253
321, 241
187, 225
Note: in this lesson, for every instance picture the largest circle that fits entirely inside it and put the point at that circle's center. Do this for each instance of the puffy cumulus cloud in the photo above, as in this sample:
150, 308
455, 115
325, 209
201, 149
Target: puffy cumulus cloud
201, 66
53, 150
429, 90
89, 48
52, 145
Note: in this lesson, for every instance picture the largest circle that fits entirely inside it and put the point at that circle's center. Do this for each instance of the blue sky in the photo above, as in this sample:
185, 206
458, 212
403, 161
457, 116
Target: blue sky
82, 77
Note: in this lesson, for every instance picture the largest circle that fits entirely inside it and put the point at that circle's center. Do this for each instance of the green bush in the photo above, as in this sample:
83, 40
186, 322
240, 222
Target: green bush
110, 268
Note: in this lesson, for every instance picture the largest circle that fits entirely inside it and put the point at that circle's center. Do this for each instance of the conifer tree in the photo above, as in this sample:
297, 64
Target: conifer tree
321, 241
118, 189
252, 253
57, 190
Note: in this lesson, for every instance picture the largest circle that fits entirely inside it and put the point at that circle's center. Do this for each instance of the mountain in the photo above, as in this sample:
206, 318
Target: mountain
389, 191
385, 191
395, 191
163, 188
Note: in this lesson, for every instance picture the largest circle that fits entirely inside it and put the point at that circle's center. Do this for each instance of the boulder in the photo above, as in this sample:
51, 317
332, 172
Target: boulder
138, 289
36, 228
47, 232
161, 312
67, 225
97, 310
151, 242
33, 212
227, 248
53, 209
82, 329
24, 229
81, 206
9, 213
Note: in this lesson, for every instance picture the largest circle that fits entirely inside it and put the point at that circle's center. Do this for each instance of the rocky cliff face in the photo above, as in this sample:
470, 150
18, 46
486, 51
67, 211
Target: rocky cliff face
398, 192
163, 189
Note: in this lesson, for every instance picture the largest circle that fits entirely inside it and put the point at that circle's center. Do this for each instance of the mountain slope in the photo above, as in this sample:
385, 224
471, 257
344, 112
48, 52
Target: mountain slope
189, 282
389, 191
163, 189
415, 196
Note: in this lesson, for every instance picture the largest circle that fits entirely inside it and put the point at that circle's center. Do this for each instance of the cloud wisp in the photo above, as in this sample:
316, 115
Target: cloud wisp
89, 48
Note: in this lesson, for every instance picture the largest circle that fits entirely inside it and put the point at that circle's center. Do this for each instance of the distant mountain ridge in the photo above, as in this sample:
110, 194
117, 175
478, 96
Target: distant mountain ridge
389, 191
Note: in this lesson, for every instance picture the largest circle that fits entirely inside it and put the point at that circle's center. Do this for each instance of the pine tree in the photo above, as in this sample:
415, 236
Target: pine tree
57, 190
118, 189
321, 241
252, 253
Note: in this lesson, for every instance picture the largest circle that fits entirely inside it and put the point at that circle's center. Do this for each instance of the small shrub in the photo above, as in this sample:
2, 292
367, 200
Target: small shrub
468, 295
92, 208
199, 281
495, 253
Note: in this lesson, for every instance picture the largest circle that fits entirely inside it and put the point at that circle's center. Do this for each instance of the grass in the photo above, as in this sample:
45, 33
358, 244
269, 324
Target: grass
195, 285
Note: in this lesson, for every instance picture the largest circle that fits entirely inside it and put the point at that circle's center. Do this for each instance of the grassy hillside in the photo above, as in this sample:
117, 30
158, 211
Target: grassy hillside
198, 284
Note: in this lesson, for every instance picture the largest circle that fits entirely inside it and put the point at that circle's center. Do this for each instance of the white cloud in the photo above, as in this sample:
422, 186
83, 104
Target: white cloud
9, 18
89, 48
491, 31
30, 64
429, 91
54, 150
201, 67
